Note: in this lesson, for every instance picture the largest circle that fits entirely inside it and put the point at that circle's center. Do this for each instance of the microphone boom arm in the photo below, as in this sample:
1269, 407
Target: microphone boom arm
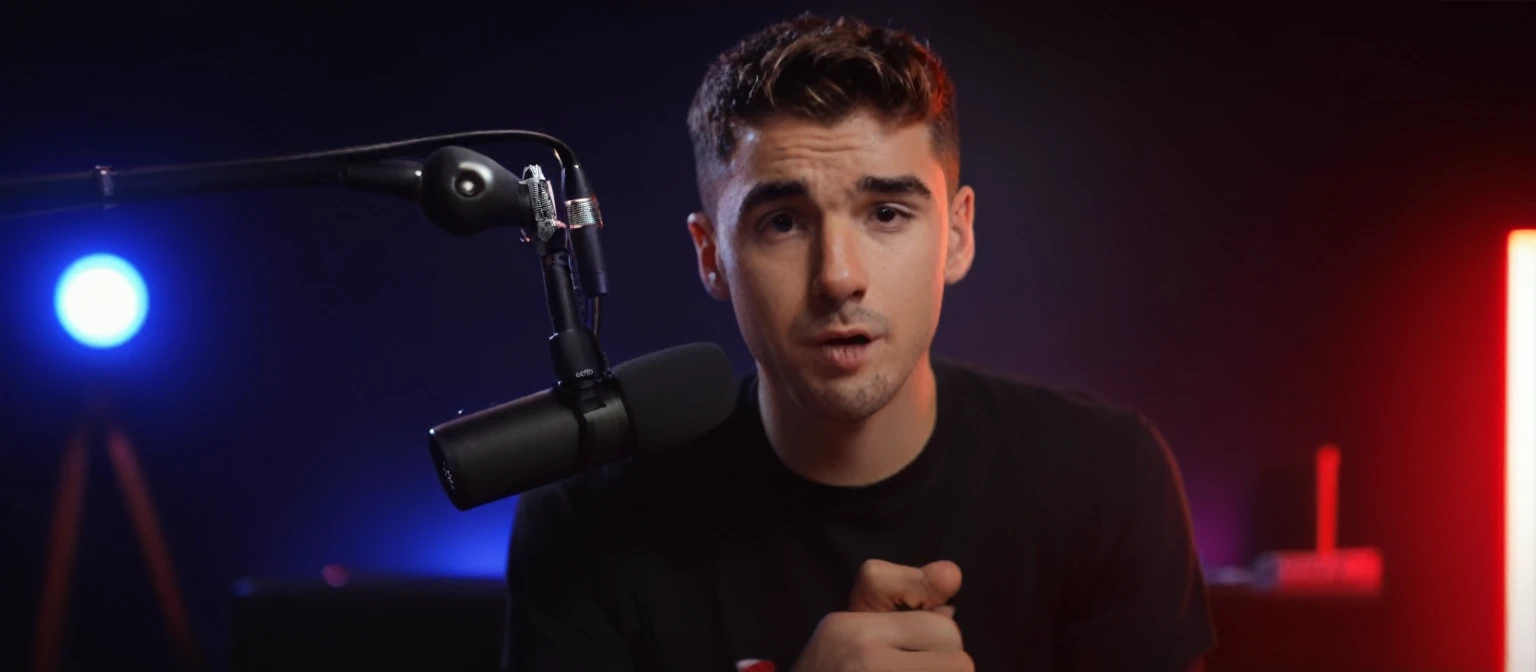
104, 185
461, 191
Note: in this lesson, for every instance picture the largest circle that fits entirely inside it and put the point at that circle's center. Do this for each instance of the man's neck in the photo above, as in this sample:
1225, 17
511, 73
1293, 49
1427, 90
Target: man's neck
857, 453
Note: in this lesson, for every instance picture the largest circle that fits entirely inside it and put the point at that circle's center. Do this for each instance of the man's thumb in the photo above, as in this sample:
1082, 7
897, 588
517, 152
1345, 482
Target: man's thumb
943, 578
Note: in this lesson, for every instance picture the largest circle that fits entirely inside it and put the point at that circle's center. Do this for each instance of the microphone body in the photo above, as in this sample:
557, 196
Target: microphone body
648, 405
585, 220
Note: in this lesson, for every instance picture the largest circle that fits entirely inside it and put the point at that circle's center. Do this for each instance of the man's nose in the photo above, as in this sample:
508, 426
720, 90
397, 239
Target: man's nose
840, 275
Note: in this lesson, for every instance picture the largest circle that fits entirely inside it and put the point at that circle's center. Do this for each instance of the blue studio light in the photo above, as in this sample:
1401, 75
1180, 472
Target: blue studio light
101, 300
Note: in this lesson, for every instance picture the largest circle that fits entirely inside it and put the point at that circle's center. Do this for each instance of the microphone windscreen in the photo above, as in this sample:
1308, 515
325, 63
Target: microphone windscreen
676, 395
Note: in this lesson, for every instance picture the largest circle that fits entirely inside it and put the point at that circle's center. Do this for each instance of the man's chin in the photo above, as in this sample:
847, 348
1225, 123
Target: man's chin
848, 398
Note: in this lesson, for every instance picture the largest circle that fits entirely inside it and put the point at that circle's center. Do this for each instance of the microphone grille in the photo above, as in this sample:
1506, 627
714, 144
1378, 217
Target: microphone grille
543, 200
541, 196
583, 212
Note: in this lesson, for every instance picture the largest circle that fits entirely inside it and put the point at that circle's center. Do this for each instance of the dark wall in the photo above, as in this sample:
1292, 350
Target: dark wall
1266, 229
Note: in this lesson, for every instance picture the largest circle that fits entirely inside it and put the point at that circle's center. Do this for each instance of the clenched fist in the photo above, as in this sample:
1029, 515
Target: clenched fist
897, 619
846, 641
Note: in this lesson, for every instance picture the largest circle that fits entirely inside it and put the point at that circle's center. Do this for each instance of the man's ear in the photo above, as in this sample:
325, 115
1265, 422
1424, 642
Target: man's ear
962, 235
705, 245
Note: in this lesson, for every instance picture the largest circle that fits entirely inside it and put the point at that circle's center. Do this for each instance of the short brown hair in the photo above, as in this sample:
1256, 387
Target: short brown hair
821, 69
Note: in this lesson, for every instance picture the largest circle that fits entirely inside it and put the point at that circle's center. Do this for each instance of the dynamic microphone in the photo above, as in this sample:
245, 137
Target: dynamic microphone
649, 404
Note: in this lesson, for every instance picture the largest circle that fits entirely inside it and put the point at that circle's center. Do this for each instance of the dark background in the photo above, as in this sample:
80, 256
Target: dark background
1266, 228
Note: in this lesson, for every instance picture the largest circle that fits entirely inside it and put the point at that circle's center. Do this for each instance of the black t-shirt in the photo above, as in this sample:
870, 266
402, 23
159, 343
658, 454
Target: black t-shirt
1066, 516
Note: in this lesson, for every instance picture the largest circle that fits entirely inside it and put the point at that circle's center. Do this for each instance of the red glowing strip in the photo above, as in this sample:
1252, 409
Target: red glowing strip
1520, 457
1327, 498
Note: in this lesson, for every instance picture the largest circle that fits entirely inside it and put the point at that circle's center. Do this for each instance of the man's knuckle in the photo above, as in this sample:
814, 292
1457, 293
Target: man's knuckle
951, 629
835, 622
965, 664
940, 625
870, 568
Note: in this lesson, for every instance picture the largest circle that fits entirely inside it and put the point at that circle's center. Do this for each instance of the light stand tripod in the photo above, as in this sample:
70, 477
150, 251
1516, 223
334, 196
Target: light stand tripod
69, 505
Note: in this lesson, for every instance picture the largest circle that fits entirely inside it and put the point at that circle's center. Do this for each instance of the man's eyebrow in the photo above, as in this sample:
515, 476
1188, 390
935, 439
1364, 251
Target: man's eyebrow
764, 192
895, 186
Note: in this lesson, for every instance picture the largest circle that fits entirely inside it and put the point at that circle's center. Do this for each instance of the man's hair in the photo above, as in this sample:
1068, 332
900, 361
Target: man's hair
819, 69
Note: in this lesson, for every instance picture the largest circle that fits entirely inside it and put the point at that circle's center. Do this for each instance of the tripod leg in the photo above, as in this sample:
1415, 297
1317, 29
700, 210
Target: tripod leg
69, 500
156, 556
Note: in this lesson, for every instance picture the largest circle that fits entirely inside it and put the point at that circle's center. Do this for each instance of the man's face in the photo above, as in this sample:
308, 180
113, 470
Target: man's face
834, 244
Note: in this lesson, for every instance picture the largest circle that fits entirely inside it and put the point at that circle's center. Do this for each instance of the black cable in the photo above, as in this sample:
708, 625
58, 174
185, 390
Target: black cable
397, 148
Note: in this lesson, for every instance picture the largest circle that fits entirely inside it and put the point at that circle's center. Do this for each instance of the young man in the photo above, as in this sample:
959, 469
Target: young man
867, 507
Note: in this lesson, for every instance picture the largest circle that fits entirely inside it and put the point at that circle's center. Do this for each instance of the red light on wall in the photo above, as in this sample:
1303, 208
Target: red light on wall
1325, 569
1327, 498
1520, 457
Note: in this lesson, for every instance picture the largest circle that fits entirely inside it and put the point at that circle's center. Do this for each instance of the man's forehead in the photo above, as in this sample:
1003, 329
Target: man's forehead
826, 158
779, 143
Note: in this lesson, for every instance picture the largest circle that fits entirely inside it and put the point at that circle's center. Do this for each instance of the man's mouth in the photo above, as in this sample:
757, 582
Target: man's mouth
853, 339
843, 350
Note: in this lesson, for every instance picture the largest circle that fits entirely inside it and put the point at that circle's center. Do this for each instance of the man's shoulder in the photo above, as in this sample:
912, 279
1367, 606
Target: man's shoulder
1016, 399
1048, 422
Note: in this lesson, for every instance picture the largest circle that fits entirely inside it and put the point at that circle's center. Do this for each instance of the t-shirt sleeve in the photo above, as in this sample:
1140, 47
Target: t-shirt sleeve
559, 615
1139, 600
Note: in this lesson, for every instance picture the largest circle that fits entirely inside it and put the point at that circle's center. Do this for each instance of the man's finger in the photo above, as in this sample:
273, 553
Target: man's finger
943, 579
918, 631
925, 661
886, 586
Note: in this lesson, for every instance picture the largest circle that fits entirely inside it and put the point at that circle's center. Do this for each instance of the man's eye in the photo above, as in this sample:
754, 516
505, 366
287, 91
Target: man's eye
886, 214
782, 222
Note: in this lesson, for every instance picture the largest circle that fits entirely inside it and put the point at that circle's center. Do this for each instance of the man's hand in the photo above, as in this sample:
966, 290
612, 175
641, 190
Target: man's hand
886, 642
886, 586
897, 619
